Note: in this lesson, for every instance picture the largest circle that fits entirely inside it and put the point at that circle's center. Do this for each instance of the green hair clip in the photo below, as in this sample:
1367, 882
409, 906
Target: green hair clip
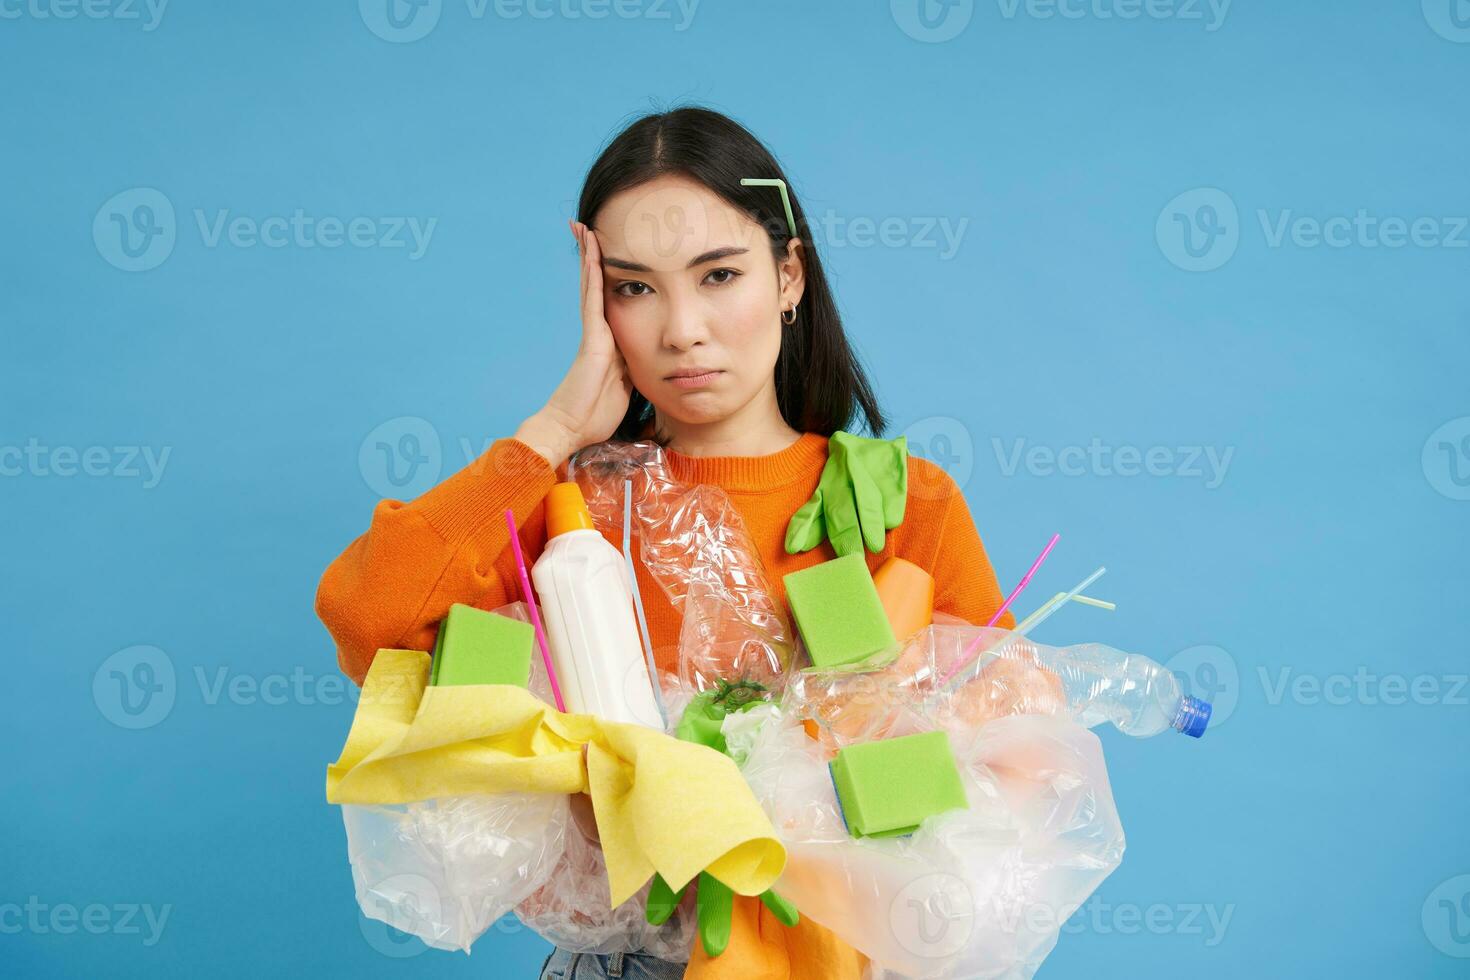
785, 197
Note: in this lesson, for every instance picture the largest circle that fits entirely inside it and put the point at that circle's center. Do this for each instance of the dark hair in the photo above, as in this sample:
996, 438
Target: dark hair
820, 384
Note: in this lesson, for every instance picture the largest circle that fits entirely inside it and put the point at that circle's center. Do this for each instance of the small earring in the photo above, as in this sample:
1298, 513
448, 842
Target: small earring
792, 311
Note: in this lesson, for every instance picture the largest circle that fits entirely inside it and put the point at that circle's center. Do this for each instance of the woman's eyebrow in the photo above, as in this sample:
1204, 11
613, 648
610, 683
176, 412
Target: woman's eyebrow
710, 256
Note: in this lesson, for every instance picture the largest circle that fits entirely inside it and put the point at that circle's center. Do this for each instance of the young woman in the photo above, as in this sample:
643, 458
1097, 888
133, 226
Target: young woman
708, 326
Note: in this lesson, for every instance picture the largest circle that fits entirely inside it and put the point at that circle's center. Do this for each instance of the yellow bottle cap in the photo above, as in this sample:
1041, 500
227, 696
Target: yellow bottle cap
566, 510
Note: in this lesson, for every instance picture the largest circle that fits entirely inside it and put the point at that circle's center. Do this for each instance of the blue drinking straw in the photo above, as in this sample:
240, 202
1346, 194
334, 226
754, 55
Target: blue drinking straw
1068, 597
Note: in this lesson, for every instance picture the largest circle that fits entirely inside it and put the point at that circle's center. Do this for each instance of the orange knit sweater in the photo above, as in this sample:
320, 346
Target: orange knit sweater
393, 584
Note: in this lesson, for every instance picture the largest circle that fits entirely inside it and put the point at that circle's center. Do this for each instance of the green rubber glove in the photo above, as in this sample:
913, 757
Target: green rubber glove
661, 900
714, 902
716, 905
861, 494
786, 913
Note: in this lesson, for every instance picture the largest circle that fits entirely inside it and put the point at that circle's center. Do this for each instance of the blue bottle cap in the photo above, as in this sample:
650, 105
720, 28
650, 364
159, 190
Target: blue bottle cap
1193, 716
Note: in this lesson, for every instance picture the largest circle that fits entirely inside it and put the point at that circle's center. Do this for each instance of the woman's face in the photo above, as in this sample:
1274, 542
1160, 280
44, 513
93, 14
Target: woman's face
689, 284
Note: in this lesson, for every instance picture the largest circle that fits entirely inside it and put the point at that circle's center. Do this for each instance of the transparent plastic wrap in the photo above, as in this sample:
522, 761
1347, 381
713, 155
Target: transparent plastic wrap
571, 908
1004, 674
445, 870
981, 892
696, 546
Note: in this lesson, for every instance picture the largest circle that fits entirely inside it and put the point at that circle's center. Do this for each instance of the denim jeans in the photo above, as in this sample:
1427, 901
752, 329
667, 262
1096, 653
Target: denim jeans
561, 965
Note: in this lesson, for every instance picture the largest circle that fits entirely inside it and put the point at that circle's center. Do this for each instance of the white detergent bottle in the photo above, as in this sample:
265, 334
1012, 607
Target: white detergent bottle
587, 606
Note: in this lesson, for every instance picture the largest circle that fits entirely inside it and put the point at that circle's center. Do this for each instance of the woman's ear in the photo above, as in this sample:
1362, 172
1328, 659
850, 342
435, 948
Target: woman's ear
791, 273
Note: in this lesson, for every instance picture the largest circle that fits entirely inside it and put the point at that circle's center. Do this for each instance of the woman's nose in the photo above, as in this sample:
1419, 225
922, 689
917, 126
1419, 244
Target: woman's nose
684, 327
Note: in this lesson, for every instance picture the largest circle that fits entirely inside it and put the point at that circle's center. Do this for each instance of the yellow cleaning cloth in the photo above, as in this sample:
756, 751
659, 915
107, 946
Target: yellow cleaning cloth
661, 804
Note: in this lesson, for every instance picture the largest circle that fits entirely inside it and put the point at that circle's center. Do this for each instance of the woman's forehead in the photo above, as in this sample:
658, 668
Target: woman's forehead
670, 221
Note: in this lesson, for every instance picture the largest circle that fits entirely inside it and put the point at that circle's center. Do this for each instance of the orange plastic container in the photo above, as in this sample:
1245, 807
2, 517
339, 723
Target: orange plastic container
907, 592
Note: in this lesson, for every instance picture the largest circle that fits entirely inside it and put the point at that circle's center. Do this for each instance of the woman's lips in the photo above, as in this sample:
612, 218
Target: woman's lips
696, 380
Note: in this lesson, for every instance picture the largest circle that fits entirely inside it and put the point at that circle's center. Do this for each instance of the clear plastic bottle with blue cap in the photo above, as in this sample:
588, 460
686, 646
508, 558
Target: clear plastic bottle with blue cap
1090, 682
1139, 696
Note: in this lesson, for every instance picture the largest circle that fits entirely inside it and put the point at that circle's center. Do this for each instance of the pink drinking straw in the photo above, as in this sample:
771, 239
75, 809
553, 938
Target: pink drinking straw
969, 653
530, 594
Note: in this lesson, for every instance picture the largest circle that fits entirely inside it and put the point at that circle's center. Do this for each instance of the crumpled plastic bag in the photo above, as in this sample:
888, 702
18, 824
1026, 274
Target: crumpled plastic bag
981, 892
571, 908
445, 870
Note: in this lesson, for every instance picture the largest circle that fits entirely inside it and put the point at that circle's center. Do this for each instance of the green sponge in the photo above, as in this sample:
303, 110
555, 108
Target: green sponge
838, 611
479, 647
887, 788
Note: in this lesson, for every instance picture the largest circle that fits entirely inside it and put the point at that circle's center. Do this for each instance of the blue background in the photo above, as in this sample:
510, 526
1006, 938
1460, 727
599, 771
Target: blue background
1334, 541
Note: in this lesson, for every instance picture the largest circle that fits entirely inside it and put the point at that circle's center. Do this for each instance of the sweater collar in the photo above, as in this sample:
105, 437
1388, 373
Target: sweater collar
803, 457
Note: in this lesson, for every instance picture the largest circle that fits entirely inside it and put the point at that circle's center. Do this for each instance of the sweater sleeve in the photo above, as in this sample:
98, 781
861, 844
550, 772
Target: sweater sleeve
393, 584
964, 583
